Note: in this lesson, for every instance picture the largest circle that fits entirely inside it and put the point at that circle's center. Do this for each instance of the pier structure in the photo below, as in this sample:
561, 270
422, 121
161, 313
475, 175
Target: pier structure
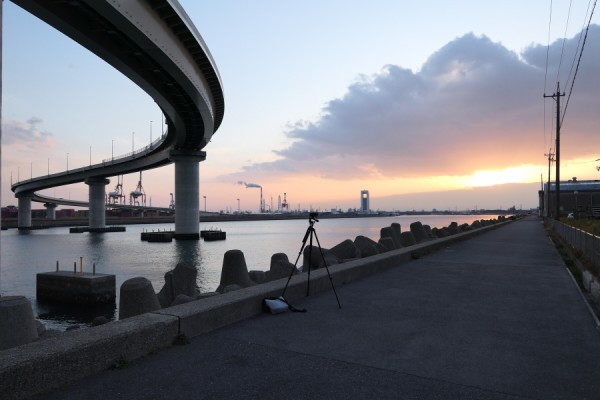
187, 193
50, 211
24, 217
97, 196
157, 46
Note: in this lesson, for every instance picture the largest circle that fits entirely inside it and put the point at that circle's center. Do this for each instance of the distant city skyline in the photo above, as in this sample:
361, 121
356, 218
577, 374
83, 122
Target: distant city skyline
325, 100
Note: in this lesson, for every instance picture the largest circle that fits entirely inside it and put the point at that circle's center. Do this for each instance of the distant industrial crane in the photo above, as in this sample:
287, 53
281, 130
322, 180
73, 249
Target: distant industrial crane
285, 205
116, 196
138, 194
172, 203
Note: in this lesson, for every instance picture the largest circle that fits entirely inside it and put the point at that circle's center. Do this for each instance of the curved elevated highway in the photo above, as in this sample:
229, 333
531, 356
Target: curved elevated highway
155, 44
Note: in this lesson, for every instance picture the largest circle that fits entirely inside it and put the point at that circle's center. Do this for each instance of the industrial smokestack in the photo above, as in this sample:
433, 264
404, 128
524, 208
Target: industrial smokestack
249, 185
254, 185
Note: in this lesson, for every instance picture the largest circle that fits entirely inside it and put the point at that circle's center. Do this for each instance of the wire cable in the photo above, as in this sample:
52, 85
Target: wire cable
578, 43
546, 72
562, 51
578, 63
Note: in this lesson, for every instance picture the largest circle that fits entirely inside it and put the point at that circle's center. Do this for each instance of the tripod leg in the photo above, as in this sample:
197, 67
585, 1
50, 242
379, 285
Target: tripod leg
296, 263
326, 267
311, 229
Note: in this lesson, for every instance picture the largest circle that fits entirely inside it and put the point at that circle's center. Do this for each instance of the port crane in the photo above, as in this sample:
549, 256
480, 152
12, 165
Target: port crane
138, 196
116, 196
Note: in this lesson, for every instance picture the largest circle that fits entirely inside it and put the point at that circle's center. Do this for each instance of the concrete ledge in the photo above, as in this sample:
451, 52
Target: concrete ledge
54, 362
198, 317
47, 364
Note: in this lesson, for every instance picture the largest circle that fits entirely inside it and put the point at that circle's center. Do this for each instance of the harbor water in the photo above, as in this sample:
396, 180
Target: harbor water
24, 254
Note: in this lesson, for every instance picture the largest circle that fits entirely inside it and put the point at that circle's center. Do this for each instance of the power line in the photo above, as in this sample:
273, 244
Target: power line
546, 73
562, 51
579, 42
578, 62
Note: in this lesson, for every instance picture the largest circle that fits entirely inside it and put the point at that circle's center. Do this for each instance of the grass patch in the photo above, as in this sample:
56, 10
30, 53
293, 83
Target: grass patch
567, 256
589, 225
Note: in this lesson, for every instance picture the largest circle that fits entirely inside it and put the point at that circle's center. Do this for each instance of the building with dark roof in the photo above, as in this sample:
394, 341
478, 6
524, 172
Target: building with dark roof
581, 198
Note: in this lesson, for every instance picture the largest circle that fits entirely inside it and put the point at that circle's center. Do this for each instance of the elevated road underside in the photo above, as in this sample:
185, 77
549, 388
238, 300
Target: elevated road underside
155, 44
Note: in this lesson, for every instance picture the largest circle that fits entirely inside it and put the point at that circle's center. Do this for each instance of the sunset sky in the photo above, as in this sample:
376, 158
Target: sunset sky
424, 104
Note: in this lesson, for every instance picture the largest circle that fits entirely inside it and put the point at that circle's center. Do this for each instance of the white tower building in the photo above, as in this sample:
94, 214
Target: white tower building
364, 201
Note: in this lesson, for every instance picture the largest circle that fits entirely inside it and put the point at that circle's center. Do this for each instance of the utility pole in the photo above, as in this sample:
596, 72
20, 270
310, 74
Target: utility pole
556, 96
550, 156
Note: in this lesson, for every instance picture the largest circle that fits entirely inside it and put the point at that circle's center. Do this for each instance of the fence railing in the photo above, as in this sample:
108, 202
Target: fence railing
587, 243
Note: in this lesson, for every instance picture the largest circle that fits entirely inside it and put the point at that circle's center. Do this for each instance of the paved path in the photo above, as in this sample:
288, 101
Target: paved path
494, 317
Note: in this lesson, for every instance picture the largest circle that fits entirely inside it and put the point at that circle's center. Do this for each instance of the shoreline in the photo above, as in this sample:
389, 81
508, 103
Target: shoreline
42, 223
55, 361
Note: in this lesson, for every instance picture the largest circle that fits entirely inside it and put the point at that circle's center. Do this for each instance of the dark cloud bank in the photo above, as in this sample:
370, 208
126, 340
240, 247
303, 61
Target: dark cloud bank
474, 105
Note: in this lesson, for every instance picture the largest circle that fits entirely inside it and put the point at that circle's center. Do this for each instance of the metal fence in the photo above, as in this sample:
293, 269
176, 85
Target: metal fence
587, 243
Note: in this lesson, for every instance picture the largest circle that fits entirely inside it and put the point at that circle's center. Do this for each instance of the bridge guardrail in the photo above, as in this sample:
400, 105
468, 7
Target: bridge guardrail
107, 161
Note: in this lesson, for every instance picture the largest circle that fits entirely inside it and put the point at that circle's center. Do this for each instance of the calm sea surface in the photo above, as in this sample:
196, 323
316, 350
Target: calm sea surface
123, 254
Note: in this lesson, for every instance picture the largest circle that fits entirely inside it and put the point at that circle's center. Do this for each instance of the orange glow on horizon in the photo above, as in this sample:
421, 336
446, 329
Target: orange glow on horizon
521, 174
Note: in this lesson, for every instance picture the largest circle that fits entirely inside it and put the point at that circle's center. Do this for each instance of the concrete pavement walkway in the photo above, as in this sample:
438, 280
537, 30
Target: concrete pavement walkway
494, 317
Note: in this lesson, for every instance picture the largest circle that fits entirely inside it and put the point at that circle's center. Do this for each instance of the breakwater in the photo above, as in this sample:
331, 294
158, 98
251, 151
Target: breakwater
125, 256
40, 366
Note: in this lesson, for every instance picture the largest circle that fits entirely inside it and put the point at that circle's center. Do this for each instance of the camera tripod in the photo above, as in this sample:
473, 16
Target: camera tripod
310, 232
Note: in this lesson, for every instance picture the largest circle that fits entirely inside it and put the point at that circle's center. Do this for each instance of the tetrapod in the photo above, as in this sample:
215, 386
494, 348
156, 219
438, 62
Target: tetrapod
310, 232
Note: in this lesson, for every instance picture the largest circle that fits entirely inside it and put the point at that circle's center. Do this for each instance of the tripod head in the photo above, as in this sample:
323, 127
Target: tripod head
312, 217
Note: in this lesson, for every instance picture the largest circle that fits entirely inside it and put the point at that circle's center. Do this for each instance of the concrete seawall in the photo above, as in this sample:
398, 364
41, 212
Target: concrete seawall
59, 360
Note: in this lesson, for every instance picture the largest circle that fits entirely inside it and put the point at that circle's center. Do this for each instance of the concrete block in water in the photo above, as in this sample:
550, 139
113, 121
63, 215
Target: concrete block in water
234, 271
258, 276
453, 228
75, 288
345, 250
437, 233
388, 232
428, 231
280, 267
416, 228
407, 239
366, 246
180, 280
312, 257
137, 297
17, 325
387, 243
396, 230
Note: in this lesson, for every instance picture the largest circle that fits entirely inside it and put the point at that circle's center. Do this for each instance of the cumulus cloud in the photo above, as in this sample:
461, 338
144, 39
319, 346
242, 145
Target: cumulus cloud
25, 134
474, 105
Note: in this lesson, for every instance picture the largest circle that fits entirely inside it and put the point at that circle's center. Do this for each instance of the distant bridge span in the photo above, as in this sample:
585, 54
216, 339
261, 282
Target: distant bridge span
155, 44
79, 203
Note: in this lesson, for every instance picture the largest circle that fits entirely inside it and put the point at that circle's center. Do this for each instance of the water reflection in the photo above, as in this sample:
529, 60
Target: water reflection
96, 245
188, 251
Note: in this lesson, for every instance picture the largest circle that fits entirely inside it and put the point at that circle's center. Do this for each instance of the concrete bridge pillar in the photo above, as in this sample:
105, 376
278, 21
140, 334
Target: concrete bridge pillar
24, 216
97, 200
50, 210
187, 193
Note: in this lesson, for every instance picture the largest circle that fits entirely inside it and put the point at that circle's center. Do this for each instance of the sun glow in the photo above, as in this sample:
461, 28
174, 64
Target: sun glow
522, 174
